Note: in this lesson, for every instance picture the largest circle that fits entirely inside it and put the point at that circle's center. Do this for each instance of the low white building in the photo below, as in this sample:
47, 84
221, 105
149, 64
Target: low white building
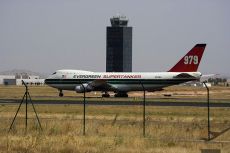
12, 80
33, 77
228, 83
207, 84
196, 84
2, 77
31, 81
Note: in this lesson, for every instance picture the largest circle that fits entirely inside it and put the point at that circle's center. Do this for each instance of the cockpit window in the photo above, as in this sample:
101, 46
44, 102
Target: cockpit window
54, 73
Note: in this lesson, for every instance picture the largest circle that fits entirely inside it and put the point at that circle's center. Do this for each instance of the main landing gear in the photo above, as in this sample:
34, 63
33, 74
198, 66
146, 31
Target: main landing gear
121, 94
106, 94
61, 93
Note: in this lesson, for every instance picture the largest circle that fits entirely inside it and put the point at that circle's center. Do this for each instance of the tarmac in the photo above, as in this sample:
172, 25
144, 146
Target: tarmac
117, 103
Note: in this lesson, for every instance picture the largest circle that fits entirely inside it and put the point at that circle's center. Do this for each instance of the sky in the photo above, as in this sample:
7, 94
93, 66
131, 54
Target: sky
46, 35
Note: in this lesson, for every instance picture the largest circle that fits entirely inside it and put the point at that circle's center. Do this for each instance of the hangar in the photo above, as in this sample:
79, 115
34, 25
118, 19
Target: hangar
17, 79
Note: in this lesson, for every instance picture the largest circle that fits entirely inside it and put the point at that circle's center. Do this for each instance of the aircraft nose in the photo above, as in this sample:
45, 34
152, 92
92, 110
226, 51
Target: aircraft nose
46, 81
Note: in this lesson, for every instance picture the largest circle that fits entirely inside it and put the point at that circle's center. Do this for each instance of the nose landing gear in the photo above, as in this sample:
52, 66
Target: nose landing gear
61, 93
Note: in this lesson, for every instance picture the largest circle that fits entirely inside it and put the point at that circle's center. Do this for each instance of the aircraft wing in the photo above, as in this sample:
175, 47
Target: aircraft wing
99, 84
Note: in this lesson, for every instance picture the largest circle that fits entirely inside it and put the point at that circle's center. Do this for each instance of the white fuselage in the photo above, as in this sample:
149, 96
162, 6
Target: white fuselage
118, 81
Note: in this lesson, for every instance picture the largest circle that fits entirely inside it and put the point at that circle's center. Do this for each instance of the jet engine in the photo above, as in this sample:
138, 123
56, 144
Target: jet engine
80, 88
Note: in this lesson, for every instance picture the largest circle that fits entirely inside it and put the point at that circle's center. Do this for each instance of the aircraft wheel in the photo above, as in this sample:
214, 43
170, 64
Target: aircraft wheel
121, 94
61, 94
106, 95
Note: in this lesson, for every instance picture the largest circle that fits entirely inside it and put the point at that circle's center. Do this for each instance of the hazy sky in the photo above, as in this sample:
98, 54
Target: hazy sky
46, 35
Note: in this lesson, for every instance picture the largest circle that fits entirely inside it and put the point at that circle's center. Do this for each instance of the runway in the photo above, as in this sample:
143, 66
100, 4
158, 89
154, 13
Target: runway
118, 103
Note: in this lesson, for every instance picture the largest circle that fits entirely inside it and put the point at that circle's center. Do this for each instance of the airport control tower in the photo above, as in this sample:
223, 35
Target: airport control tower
119, 45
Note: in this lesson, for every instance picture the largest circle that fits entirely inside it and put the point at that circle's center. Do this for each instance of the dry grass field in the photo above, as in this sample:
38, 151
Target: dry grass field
114, 129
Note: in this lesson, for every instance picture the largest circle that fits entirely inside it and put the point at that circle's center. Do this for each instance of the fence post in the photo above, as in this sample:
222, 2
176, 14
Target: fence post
143, 109
208, 105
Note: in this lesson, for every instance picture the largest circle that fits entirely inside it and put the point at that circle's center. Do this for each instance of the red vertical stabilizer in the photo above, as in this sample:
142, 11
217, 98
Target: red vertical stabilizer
191, 61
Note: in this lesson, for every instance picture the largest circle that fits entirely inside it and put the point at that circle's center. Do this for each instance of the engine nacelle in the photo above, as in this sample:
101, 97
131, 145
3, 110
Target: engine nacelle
80, 88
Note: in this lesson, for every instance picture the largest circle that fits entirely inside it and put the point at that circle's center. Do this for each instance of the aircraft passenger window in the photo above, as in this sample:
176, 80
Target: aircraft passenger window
74, 76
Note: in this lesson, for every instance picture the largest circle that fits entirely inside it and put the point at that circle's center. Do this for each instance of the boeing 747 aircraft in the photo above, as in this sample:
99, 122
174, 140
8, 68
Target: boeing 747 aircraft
121, 82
